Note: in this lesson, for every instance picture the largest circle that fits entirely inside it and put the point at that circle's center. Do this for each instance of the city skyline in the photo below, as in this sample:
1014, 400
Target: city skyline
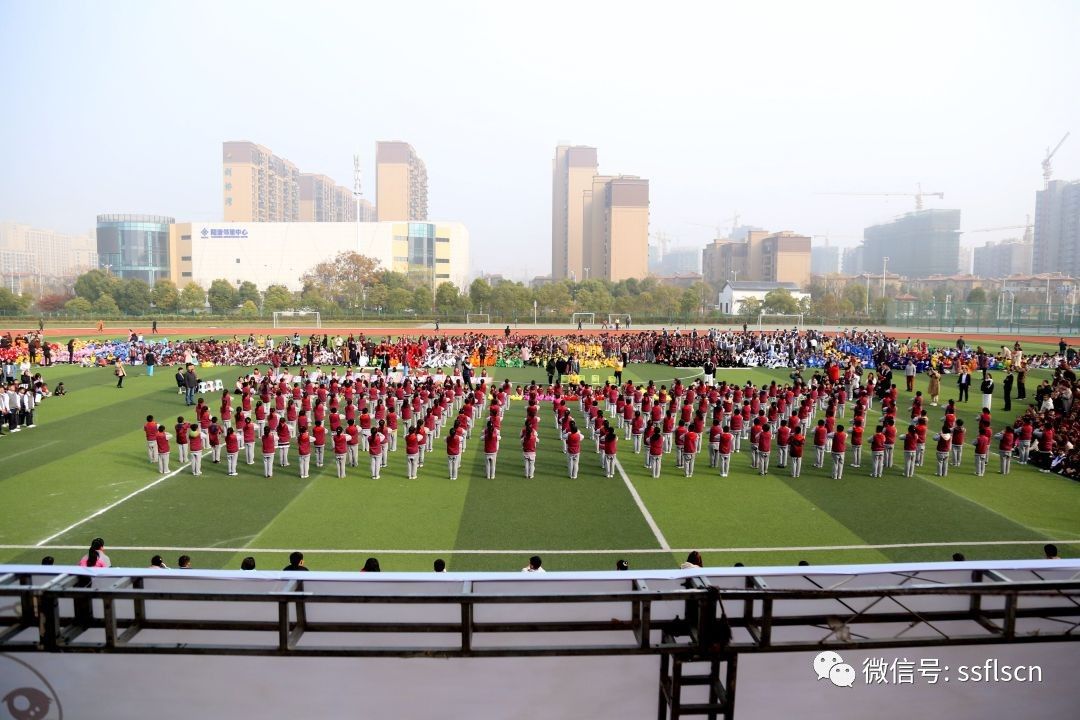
718, 127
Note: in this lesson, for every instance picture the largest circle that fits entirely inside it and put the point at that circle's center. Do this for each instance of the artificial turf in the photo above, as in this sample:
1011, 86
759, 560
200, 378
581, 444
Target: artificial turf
87, 452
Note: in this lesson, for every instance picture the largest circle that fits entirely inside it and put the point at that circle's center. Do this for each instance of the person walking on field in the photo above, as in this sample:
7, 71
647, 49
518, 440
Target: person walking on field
120, 373
909, 374
987, 390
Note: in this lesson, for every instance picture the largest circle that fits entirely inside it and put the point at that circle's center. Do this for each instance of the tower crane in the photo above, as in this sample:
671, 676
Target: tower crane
1047, 171
918, 195
1027, 228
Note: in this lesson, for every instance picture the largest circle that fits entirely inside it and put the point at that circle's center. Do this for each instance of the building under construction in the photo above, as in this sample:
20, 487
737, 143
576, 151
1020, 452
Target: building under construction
917, 244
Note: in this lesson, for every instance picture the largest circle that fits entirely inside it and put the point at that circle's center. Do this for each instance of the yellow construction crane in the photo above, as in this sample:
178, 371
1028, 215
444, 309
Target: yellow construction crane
1049, 156
918, 195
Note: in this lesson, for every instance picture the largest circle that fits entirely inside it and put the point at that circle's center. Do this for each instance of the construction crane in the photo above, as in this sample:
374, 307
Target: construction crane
1047, 171
719, 228
1027, 228
918, 195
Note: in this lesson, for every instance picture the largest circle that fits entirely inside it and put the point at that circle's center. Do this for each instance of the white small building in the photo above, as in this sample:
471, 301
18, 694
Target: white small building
733, 293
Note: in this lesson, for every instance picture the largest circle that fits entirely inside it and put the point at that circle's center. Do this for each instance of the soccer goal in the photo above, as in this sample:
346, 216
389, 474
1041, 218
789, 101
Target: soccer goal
583, 319
779, 319
477, 319
622, 318
297, 318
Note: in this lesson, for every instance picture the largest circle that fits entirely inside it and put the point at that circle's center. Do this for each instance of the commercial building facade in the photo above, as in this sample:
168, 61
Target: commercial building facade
918, 244
1004, 258
280, 253
763, 257
733, 294
134, 246
401, 183
1057, 229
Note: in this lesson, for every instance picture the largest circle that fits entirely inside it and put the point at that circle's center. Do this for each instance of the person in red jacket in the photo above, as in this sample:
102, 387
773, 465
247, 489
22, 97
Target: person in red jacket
656, 450
889, 425
637, 431
491, 449
412, 454
856, 442
232, 451
690, 450
283, 441
195, 447
821, 437
714, 443
572, 441
269, 449
611, 449
795, 448
911, 450
839, 449
353, 431
1005, 449
213, 438
725, 444
318, 442
150, 430
303, 448
1027, 432
181, 429
341, 450
958, 443
982, 452
455, 437
783, 440
877, 452
764, 448
161, 449
375, 450
944, 450
529, 438
921, 429
249, 440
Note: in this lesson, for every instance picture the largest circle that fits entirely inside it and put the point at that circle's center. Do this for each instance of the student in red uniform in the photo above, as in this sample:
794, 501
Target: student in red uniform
181, 430
877, 452
958, 443
341, 450
283, 440
714, 443
303, 448
491, 449
856, 442
412, 454
318, 441
821, 435
213, 437
454, 441
611, 449
1023, 438
232, 450
1005, 449
839, 448
889, 428
637, 430
725, 444
195, 447
572, 440
783, 440
375, 450
690, 446
911, 450
944, 450
269, 449
529, 439
764, 449
656, 450
796, 443
355, 433
249, 440
150, 430
161, 448
982, 451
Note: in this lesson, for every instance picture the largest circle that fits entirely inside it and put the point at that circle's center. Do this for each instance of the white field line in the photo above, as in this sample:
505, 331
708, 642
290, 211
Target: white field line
109, 507
644, 510
36, 448
528, 551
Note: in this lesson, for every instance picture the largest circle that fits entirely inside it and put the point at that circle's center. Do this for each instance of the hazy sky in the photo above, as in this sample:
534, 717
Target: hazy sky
752, 107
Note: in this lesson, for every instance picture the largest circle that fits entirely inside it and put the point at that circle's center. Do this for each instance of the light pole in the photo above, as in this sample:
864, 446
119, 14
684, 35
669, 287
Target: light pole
868, 294
884, 264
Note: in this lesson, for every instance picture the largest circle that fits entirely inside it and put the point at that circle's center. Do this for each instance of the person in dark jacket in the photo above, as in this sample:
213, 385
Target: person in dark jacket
1008, 386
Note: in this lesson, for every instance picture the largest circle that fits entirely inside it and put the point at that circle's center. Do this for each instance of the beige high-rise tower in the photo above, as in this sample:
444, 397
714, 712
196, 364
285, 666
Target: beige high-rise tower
258, 186
616, 228
573, 169
401, 188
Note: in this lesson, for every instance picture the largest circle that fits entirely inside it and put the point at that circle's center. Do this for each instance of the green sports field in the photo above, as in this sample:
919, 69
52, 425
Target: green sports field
83, 472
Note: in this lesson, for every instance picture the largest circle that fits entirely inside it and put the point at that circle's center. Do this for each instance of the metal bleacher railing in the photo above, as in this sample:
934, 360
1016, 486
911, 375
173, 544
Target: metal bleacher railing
688, 618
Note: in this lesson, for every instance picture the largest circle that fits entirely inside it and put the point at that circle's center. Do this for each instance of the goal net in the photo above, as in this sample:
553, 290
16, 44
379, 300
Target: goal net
297, 318
477, 319
779, 319
584, 318
622, 318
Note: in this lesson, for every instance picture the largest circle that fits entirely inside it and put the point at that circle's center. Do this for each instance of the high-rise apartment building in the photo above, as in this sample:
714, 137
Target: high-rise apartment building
782, 257
918, 244
825, 260
1004, 258
323, 200
599, 223
573, 170
28, 252
1057, 228
401, 183
257, 185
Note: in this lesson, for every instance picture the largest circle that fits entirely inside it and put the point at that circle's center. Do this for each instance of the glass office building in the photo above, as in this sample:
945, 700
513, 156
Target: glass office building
134, 246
